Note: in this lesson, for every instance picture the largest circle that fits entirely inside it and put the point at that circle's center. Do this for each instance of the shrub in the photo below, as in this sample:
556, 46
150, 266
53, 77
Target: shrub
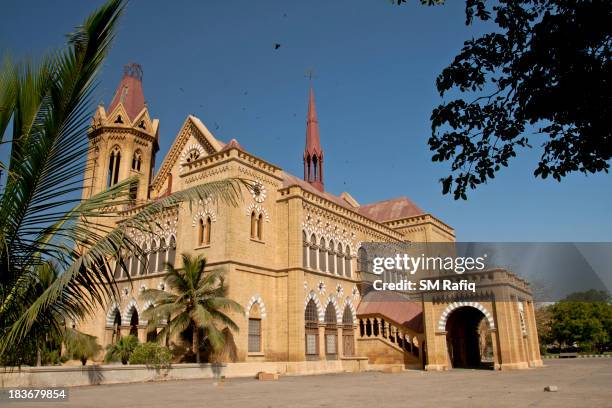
151, 354
80, 346
122, 350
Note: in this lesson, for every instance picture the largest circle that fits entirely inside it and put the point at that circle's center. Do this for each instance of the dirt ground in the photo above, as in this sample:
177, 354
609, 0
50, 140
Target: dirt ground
581, 383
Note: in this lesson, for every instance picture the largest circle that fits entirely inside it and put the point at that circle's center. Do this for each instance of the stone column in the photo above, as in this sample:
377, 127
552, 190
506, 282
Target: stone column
340, 348
294, 302
142, 333
536, 359
321, 341
436, 341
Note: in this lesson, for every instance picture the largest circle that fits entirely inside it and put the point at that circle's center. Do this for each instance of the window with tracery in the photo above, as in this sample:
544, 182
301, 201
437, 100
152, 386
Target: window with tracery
137, 160
254, 345
113, 166
192, 155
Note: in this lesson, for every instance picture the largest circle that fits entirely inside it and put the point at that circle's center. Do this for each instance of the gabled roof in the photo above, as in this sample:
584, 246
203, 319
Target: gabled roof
394, 306
202, 134
393, 209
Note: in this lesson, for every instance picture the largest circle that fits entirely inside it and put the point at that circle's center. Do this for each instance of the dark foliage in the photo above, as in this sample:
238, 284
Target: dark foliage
542, 78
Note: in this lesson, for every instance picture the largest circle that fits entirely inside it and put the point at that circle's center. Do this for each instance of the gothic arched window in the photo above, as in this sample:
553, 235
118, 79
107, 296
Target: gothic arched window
331, 332
348, 333
313, 252
347, 262
322, 255
331, 258
311, 323
207, 229
304, 250
362, 260
137, 160
113, 166
172, 251
254, 343
161, 255
253, 225
201, 232
339, 260
260, 227
152, 258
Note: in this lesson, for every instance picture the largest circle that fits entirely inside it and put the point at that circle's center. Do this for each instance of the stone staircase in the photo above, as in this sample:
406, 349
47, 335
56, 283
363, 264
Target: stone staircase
385, 342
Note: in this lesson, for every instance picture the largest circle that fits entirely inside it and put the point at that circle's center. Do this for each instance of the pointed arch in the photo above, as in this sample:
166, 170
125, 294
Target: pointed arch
110, 315
331, 299
312, 296
128, 310
114, 164
256, 299
348, 304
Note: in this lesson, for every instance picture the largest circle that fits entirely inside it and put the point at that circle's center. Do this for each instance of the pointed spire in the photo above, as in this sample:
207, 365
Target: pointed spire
129, 92
313, 154
313, 142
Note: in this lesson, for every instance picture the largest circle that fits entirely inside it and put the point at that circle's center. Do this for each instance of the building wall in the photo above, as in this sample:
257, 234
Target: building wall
270, 272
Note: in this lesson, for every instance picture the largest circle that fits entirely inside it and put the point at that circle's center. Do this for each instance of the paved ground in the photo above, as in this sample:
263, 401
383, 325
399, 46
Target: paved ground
581, 382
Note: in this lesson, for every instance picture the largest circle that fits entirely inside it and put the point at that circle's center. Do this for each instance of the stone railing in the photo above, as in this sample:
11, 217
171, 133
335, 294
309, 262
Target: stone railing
391, 333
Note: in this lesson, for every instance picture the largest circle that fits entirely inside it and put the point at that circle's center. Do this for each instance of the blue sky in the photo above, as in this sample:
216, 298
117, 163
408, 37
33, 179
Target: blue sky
375, 67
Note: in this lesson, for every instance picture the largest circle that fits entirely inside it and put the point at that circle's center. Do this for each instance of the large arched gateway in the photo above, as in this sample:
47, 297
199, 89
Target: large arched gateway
468, 339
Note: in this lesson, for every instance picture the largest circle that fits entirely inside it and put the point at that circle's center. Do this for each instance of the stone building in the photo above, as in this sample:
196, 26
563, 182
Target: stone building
290, 253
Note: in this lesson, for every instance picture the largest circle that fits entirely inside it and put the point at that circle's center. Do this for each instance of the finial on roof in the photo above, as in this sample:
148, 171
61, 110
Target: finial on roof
133, 70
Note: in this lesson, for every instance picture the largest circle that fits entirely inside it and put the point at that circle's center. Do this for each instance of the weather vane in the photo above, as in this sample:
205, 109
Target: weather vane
310, 74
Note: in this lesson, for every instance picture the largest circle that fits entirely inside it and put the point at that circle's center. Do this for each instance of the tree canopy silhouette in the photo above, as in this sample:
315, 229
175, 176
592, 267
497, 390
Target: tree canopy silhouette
542, 77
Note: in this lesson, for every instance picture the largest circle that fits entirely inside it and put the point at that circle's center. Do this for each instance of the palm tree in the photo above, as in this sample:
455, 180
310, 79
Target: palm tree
42, 215
197, 301
121, 350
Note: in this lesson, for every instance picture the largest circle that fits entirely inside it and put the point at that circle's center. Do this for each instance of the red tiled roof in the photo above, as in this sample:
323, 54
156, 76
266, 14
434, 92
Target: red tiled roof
393, 209
395, 307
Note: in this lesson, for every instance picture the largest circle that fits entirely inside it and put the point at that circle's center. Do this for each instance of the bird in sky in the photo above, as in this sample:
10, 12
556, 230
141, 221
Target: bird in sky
277, 46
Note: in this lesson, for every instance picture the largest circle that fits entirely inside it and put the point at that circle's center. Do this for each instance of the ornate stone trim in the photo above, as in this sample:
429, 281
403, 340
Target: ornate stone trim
259, 209
348, 302
126, 317
313, 296
110, 315
332, 299
262, 307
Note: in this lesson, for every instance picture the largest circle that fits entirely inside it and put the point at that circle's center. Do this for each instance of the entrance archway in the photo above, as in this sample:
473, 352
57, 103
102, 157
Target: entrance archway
468, 338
